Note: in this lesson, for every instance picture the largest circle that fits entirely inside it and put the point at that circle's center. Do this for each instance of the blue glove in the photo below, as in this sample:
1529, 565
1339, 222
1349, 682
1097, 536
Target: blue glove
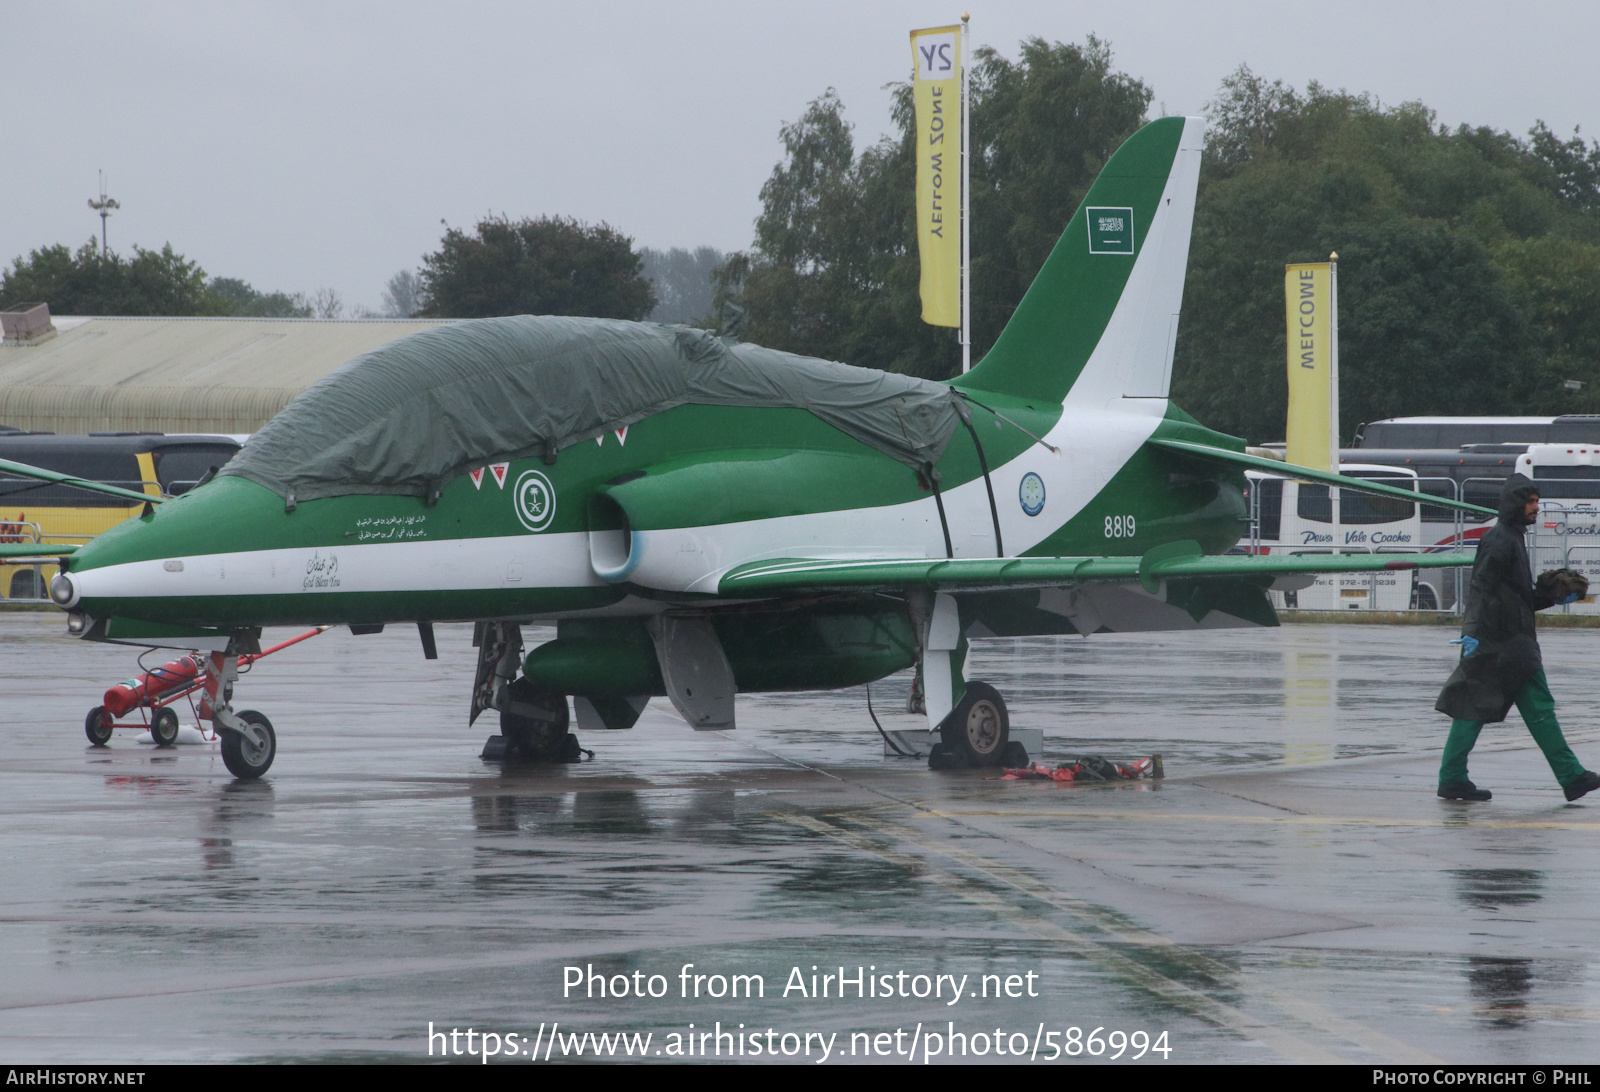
1573, 598
1469, 645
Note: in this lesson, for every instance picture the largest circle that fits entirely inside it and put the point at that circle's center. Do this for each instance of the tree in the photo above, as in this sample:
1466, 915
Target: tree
681, 280
548, 266
244, 301
834, 270
89, 282
152, 282
1469, 268
1470, 258
811, 271
1575, 166
402, 295
1042, 127
237, 293
326, 303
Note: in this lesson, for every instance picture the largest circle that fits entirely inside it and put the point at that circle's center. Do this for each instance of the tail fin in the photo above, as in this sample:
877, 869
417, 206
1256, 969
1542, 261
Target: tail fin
1101, 318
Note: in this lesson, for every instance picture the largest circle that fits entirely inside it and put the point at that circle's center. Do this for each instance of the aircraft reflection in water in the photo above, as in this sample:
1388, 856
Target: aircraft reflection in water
701, 518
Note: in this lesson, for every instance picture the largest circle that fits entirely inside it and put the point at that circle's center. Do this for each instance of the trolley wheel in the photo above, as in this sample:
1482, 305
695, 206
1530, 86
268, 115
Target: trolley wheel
978, 726
164, 728
245, 758
97, 726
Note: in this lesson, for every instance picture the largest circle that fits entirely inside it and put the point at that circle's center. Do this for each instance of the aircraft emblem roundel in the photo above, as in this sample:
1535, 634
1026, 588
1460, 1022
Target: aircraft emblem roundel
1031, 493
535, 500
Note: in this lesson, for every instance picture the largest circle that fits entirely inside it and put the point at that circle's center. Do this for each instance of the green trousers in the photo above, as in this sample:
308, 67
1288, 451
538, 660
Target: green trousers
1538, 711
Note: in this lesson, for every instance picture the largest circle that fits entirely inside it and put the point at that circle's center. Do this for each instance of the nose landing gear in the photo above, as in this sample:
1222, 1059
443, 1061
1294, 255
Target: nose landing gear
248, 750
248, 742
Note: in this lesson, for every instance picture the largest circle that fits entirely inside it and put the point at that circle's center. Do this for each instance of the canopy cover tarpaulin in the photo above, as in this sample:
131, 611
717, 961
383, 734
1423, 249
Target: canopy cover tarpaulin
407, 417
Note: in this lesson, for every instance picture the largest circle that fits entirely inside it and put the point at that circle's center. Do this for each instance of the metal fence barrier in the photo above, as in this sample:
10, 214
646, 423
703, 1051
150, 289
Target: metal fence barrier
1435, 591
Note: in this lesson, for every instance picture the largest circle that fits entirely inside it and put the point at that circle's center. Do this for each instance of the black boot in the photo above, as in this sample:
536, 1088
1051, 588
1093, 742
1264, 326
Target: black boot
1466, 790
1587, 781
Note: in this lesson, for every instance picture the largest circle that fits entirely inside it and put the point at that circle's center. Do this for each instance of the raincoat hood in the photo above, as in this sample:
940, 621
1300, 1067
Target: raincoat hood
1514, 499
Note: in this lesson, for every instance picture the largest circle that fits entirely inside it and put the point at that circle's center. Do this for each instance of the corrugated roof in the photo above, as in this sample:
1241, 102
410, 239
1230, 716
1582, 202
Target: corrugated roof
225, 375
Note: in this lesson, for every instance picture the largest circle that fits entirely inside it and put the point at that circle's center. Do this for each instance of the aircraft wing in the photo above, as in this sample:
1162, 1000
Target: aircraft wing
23, 470
9, 550
1292, 470
1180, 559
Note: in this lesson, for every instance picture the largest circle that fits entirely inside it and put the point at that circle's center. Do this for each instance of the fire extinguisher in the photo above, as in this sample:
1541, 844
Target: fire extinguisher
129, 695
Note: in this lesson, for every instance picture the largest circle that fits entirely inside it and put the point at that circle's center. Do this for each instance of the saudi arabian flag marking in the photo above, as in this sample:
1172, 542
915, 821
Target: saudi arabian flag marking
535, 500
1110, 231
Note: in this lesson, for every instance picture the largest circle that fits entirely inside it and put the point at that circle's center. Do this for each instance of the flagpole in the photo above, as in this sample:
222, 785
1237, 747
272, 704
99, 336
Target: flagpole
1337, 495
1333, 360
966, 233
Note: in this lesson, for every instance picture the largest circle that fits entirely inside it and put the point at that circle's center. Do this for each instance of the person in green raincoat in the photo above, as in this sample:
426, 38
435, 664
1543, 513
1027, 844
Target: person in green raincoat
1500, 663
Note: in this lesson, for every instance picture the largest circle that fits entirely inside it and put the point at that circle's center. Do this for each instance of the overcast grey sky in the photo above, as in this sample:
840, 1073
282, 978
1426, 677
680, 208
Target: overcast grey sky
300, 145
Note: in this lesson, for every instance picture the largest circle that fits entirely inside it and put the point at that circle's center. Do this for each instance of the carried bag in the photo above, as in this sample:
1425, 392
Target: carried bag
1557, 584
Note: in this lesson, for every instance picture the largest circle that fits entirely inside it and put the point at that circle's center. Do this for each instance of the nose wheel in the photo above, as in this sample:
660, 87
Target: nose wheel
248, 751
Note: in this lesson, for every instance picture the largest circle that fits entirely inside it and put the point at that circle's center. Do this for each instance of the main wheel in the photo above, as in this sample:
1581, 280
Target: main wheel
249, 758
164, 728
534, 722
97, 726
978, 726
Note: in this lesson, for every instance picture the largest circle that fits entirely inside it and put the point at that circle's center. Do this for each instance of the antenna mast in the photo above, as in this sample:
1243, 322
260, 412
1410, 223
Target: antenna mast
104, 207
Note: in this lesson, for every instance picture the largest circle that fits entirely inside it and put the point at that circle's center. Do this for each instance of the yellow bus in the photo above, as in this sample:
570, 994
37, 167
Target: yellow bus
51, 515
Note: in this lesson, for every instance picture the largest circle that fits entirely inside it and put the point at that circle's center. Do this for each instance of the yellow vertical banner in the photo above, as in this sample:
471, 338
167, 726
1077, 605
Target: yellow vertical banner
1309, 304
936, 92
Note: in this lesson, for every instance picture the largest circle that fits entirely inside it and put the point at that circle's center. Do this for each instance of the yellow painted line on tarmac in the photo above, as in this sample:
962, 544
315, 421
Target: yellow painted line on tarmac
1286, 820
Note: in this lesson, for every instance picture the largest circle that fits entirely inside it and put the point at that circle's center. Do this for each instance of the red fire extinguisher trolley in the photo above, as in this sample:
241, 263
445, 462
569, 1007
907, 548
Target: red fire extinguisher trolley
154, 693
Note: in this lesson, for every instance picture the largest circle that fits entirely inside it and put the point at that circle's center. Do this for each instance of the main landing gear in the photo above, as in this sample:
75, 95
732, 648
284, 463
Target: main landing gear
534, 724
976, 733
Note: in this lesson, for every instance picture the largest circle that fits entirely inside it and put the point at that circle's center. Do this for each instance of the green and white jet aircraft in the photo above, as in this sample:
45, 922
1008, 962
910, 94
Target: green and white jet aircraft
769, 523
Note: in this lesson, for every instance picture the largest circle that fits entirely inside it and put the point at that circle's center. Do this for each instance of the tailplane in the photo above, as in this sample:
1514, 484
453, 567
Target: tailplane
1101, 319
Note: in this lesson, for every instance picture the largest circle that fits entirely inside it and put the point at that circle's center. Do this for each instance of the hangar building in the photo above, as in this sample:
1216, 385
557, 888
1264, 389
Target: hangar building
174, 375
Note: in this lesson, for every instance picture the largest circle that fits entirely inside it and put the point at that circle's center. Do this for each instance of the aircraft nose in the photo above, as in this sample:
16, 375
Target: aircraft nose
144, 557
